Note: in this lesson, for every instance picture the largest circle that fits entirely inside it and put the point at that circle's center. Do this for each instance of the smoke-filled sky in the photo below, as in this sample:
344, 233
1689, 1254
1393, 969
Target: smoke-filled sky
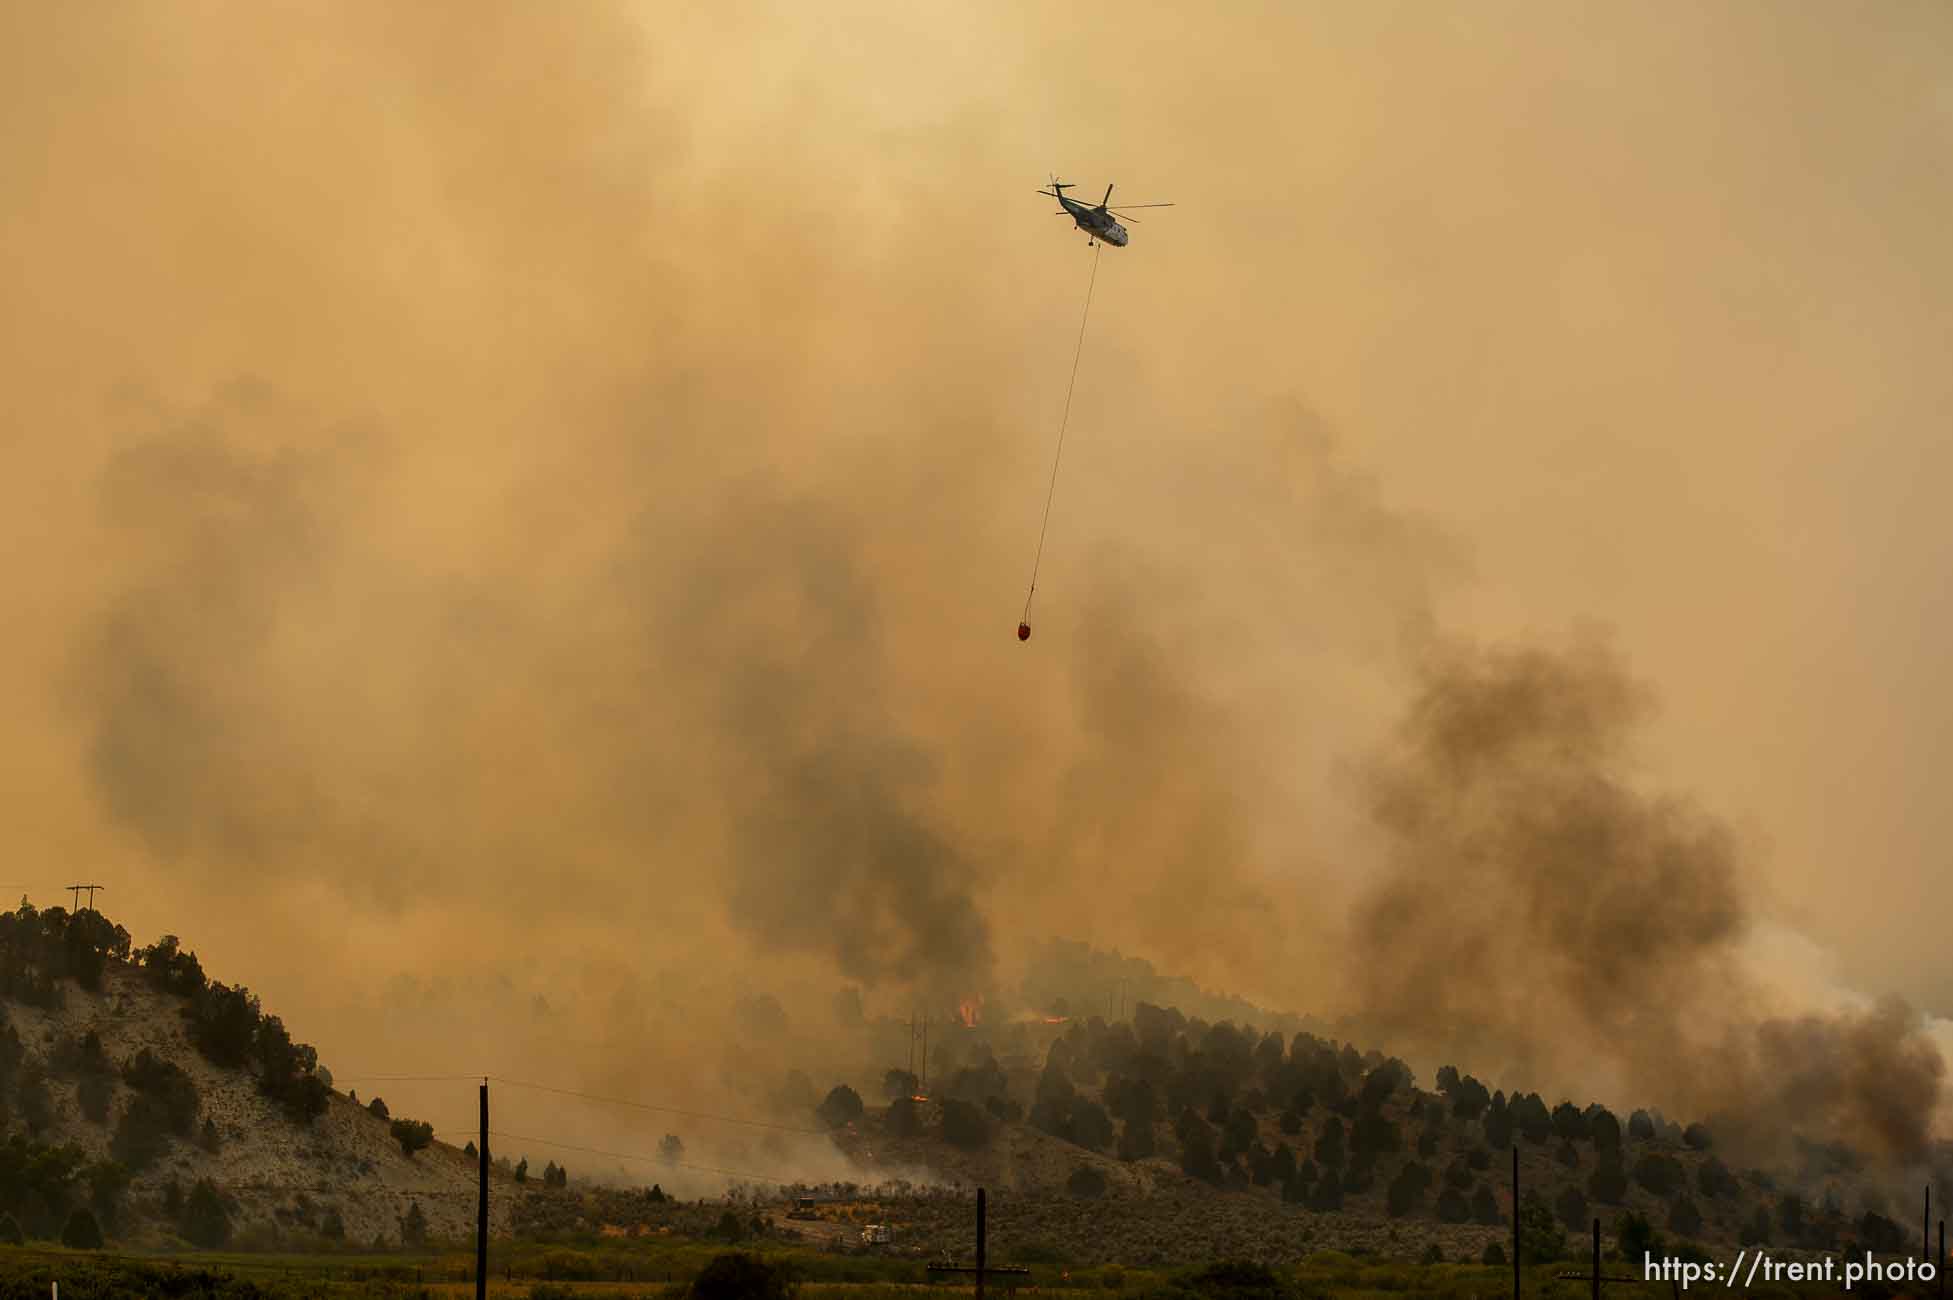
535, 499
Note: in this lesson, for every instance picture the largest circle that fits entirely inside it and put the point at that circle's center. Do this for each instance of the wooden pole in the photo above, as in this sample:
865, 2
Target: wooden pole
1926, 1225
980, 1244
1596, 1259
1515, 1221
481, 1210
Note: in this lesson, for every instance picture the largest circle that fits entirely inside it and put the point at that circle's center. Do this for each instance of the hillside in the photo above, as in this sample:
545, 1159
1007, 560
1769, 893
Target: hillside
1165, 1141
1153, 1139
114, 1105
175, 1112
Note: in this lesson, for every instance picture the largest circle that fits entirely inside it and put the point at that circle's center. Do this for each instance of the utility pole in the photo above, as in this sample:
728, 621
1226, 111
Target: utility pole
924, 1090
911, 1041
76, 891
1011, 1273
1515, 1221
1597, 1277
481, 1211
981, 1254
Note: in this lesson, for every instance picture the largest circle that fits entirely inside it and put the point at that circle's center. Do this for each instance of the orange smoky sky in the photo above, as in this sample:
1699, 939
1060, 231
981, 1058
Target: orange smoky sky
516, 515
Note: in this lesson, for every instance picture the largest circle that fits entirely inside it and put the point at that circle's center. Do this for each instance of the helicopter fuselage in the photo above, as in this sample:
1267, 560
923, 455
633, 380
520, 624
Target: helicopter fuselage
1096, 222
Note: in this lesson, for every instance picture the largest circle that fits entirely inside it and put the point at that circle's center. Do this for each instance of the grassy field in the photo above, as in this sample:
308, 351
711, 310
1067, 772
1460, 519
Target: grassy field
665, 1270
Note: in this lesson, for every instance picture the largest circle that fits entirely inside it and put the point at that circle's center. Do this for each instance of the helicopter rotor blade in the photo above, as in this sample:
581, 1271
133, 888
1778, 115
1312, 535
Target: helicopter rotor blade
1123, 206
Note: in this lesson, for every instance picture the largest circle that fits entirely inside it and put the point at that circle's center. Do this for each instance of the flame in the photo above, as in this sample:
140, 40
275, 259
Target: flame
919, 1097
1057, 1020
970, 1010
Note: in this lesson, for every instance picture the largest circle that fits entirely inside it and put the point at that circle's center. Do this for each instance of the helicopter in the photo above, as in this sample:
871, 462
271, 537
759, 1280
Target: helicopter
1101, 224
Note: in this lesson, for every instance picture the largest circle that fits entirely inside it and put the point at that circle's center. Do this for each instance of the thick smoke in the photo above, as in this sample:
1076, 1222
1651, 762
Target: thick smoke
1547, 917
597, 615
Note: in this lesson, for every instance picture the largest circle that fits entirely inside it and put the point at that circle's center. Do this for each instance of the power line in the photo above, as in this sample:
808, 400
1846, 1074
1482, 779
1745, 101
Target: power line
645, 1105
584, 1096
631, 1155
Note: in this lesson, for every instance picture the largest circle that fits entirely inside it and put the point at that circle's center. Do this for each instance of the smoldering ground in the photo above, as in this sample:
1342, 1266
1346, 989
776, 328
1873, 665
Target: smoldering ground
601, 590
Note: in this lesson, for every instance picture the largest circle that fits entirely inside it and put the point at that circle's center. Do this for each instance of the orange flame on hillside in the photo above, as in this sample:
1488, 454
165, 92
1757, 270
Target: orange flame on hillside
970, 1010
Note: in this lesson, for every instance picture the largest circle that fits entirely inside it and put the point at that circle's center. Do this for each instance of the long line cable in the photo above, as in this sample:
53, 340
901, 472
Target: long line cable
1052, 491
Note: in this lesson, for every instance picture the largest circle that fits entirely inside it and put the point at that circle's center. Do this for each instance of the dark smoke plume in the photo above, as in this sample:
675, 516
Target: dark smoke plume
1544, 914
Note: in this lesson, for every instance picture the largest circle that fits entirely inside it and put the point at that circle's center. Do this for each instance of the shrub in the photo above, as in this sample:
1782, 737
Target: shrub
1540, 1238
1636, 1237
1136, 1141
1086, 1182
413, 1226
903, 1120
743, 1276
82, 1232
1660, 1174
1407, 1189
412, 1135
10, 1231
142, 1135
1197, 1159
107, 1181
841, 1108
224, 1023
95, 1093
206, 1218
964, 1125
1715, 1179
1498, 1122
1609, 1183
1235, 1277
169, 1085
1684, 1220
1091, 1127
